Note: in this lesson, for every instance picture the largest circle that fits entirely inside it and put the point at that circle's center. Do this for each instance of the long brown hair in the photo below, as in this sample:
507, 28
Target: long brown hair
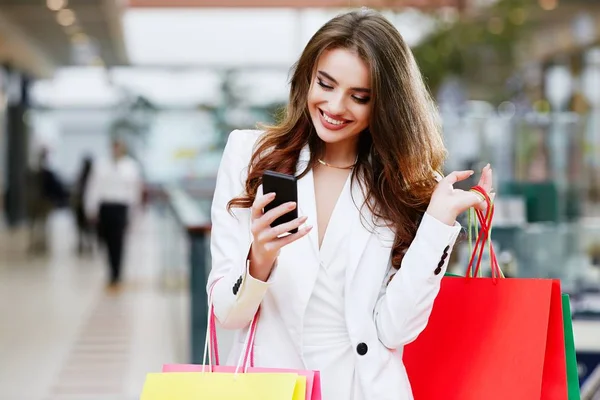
401, 150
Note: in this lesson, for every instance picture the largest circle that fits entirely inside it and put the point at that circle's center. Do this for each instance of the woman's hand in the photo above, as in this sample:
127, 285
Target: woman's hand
267, 243
447, 203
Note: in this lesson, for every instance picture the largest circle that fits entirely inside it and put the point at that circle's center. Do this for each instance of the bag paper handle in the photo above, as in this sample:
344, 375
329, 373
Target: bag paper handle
246, 357
484, 235
211, 333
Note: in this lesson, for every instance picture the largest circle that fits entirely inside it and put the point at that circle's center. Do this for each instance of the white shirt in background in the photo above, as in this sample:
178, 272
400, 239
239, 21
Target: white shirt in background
113, 181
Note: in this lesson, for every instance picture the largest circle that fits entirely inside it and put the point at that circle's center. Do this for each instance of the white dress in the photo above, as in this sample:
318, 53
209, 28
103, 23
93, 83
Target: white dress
326, 343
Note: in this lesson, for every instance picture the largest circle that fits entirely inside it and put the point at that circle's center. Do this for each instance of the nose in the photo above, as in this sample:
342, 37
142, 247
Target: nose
336, 105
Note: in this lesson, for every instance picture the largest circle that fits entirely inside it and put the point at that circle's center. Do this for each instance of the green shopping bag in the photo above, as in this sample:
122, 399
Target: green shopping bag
572, 374
451, 274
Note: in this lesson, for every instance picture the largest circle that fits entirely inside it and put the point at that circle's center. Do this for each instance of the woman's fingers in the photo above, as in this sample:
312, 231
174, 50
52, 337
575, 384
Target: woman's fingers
482, 205
485, 181
284, 241
259, 204
281, 229
272, 215
457, 176
468, 199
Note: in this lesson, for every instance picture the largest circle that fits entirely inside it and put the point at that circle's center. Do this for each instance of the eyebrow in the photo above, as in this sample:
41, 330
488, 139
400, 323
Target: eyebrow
356, 89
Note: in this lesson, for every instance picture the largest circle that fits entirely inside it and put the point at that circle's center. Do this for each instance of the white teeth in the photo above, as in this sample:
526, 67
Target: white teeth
331, 120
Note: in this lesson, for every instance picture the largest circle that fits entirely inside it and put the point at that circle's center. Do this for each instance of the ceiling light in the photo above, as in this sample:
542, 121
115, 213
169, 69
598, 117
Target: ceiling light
548, 5
65, 17
56, 5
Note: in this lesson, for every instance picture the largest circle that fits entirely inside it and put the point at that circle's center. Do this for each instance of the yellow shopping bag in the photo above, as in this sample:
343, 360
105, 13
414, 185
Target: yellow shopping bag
224, 386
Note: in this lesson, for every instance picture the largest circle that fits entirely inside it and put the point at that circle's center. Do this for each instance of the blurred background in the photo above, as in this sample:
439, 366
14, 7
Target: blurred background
517, 82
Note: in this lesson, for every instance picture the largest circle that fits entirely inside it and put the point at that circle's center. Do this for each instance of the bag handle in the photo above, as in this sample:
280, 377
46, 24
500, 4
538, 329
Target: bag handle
246, 357
484, 235
207, 336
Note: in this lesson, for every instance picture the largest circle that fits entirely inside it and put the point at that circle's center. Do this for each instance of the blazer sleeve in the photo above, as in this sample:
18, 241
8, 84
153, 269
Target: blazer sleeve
235, 294
404, 306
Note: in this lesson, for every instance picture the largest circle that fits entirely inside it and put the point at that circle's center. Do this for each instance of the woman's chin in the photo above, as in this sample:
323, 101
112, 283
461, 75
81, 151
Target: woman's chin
329, 136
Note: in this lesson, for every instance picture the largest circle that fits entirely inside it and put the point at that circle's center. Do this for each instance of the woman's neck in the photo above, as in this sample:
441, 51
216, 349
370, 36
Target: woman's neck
341, 154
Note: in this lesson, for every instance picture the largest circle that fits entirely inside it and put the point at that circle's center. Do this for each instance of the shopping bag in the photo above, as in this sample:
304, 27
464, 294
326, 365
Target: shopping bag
312, 378
216, 382
213, 382
223, 386
490, 338
572, 372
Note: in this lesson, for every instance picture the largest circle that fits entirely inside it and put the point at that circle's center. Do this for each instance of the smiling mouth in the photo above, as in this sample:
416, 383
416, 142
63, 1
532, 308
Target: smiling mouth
333, 121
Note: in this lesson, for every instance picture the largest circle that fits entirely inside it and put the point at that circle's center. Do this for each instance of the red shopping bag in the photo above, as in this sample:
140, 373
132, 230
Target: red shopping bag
491, 338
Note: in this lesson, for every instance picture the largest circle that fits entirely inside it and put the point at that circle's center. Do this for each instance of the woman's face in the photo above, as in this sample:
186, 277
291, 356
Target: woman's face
339, 98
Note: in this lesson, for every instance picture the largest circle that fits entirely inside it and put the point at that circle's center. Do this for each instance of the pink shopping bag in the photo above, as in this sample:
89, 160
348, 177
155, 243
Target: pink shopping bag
313, 378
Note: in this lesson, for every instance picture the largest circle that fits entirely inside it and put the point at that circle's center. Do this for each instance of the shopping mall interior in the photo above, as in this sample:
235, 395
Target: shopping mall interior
517, 83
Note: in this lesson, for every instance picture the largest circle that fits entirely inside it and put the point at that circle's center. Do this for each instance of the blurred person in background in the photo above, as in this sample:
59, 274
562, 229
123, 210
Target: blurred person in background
112, 196
362, 136
85, 231
45, 192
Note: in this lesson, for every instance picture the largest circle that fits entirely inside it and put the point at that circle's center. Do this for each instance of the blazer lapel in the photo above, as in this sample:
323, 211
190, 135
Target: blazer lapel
335, 242
360, 230
306, 199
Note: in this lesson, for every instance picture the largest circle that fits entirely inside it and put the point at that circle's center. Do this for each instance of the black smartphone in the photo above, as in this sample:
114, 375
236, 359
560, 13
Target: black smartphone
285, 188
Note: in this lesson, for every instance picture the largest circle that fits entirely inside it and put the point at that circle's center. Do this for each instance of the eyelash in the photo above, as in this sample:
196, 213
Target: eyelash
359, 100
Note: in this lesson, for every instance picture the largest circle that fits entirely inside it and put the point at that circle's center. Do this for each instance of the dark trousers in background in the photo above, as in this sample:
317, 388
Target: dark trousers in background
112, 222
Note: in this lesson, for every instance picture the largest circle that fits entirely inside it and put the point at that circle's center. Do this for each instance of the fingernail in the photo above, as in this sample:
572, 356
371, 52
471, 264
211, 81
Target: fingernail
272, 194
292, 205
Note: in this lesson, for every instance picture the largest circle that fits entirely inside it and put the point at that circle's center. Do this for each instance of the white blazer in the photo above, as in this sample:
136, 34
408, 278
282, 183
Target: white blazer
381, 318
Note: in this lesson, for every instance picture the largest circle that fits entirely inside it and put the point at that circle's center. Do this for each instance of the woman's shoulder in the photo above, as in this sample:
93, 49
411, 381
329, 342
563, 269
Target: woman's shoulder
240, 146
244, 139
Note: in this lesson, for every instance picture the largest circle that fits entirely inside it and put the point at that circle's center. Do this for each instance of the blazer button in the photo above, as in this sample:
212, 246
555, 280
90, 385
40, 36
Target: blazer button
437, 270
362, 349
446, 249
236, 286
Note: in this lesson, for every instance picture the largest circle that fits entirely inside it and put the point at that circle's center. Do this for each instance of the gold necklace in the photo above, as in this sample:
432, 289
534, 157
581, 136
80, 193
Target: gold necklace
333, 166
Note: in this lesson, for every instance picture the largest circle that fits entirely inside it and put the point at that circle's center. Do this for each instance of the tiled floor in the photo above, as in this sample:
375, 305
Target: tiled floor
64, 337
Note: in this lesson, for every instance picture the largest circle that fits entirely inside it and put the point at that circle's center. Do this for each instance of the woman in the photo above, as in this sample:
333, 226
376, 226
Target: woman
344, 297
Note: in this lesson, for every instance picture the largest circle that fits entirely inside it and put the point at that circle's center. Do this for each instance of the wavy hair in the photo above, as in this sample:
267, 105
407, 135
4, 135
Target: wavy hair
398, 154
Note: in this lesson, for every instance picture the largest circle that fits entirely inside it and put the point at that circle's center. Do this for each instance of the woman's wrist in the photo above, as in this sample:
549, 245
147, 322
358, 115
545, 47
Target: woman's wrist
442, 214
258, 268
